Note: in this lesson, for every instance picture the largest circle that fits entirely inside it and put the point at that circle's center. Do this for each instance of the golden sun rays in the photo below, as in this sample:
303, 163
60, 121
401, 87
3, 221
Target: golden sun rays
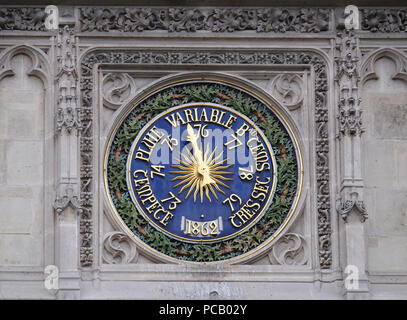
201, 173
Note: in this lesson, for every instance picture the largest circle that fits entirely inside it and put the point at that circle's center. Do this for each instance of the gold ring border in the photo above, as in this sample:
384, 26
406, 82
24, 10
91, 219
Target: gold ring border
234, 259
207, 104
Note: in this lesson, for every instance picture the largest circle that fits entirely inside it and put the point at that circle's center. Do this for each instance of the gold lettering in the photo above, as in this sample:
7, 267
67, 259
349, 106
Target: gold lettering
214, 115
222, 113
242, 129
141, 153
179, 117
188, 115
203, 114
230, 121
161, 209
173, 122
260, 190
167, 216
231, 218
153, 206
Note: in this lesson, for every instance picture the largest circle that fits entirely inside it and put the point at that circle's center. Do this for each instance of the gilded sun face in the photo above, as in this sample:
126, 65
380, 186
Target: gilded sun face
202, 172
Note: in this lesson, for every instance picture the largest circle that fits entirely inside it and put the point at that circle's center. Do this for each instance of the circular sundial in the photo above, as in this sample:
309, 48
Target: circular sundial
202, 170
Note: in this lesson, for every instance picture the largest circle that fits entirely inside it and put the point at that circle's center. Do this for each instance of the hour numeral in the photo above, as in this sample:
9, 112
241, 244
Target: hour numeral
156, 170
201, 130
173, 204
171, 142
236, 139
246, 174
232, 198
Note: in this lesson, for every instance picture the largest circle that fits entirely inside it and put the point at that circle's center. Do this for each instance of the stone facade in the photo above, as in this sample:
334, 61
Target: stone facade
338, 75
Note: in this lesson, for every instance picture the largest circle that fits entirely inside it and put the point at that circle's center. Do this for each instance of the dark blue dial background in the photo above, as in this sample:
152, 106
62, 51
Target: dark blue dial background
161, 186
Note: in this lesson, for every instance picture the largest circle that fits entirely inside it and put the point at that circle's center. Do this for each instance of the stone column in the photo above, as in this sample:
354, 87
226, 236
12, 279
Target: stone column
350, 198
67, 204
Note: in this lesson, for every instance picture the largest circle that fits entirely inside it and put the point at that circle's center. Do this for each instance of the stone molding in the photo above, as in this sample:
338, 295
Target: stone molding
39, 63
384, 20
133, 19
22, 18
311, 58
192, 19
368, 71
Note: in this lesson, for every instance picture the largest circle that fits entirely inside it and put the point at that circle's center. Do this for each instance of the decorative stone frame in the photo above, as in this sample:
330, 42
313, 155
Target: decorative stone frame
228, 79
41, 69
91, 60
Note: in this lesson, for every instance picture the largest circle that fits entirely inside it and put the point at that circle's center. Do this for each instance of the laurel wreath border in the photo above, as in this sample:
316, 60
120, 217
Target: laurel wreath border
239, 100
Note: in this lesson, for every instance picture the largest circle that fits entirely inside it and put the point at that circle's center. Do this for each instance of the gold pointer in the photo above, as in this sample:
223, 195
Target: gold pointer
201, 173
202, 168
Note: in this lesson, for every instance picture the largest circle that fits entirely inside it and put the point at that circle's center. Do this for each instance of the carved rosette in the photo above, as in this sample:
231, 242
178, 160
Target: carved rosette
278, 20
119, 248
117, 89
219, 57
288, 88
290, 249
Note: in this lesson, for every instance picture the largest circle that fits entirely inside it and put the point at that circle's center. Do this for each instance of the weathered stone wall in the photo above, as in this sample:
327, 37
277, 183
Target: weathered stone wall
22, 172
385, 158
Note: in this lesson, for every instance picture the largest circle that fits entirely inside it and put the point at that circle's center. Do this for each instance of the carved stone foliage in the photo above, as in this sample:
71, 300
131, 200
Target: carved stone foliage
384, 20
290, 249
119, 248
346, 206
220, 57
27, 19
67, 115
117, 88
347, 76
288, 88
132, 19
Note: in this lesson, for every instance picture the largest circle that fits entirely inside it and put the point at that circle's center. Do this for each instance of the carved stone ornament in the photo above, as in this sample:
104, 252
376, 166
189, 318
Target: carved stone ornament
347, 76
215, 57
290, 249
310, 20
117, 89
384, 20
67, 115
27, 19
66, 199
368, 71
119, 248
38, 67
347, 206
288, 88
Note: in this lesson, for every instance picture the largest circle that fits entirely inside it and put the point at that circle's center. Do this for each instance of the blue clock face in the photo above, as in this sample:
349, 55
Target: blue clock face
201, 172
